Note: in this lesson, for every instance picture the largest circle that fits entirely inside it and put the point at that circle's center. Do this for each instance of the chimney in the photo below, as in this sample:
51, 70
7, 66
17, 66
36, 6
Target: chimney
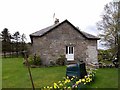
56, 21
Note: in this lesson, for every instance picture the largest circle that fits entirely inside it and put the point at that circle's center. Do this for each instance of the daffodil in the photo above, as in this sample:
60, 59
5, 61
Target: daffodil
59, 81
51, 87
48, 87
75, 86
77, 82
80, 80
67, 77
65, 87
55, 85
83, 80
69, 87
61, 84
71, 78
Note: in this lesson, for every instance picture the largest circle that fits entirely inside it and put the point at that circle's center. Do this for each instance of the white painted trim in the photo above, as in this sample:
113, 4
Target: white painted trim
69, 56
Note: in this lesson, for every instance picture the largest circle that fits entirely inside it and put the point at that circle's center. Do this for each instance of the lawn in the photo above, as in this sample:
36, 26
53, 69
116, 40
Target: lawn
15, 75
105, 78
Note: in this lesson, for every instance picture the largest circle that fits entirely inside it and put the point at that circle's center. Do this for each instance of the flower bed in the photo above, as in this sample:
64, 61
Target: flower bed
74, 82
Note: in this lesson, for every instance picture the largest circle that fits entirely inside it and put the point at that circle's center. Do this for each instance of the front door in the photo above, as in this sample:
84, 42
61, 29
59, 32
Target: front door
70, 53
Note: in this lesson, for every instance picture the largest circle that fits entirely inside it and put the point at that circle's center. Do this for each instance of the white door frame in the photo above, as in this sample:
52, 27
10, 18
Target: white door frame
70, 53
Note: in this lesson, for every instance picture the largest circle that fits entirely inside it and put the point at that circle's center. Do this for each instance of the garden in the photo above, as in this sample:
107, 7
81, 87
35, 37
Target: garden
15, 75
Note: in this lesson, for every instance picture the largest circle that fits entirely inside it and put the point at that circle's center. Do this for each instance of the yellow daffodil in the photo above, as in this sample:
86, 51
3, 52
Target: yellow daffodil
75, 86
67, 77
55, 87
83, 80
64, 87
61, 84
69, 87
77, 82
80, 80
71, 78
59, 81
48, 87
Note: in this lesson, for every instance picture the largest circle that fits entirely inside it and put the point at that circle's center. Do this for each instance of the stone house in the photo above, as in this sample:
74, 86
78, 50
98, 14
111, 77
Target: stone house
64, 39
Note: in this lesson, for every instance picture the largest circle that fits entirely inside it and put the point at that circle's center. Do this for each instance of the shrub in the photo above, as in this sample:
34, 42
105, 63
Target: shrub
35, 60
52, 63
30, 60
61, 60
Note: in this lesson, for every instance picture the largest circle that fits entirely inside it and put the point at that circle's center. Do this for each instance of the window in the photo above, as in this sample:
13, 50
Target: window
66, 49
69, 50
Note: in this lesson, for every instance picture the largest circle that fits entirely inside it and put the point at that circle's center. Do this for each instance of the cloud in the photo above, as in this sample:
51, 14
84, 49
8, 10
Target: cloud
28, 16
92, 29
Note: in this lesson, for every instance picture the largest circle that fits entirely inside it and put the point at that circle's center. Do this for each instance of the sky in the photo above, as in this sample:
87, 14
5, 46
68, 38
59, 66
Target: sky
28, 16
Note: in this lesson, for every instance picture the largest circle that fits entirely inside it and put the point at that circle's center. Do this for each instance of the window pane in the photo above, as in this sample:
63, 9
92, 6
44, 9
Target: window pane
70, 50
66, 49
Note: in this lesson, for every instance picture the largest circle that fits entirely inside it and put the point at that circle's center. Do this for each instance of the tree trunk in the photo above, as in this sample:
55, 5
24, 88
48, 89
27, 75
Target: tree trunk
4, 54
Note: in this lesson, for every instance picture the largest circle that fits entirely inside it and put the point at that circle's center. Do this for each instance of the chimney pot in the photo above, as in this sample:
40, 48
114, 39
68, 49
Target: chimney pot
56, 21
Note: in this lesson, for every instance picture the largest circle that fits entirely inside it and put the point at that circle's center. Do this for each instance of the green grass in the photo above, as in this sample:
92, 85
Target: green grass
0, 72
15, 75
105, 78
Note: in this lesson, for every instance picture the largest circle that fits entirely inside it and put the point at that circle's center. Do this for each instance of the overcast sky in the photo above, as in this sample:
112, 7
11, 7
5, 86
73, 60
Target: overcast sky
28, 16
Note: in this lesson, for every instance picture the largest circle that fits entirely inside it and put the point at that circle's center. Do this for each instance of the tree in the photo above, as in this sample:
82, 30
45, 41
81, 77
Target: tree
109, 27
5, 41
104, 55
23, 44
16, 37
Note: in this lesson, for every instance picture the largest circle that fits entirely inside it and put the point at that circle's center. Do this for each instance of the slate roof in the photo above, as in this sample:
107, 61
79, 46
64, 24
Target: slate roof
43, 31
50, 28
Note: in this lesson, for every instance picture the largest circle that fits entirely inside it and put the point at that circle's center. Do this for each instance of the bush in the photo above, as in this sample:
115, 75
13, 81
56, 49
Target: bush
52, 63
30, 60
61, 60
35, 60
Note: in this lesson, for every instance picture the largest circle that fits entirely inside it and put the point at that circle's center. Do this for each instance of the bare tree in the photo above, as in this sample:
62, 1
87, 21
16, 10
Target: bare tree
23, 44
109, 27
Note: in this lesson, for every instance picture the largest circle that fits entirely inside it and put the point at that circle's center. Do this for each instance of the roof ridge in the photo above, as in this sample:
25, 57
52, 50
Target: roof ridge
49, 28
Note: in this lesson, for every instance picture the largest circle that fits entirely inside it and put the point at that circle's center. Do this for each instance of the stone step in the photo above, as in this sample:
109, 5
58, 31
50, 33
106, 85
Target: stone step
71, 62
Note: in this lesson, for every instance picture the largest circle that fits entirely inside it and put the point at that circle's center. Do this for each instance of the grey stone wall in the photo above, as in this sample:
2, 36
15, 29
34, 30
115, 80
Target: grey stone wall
92, 52
53, 44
